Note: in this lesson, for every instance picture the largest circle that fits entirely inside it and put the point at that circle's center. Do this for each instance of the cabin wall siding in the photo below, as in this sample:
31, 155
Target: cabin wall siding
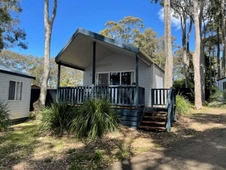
114, 62
158, 77
18, 108
145, 80
220, 84
118, 62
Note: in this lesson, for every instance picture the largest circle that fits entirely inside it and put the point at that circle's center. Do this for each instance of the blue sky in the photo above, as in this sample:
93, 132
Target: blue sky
88, 14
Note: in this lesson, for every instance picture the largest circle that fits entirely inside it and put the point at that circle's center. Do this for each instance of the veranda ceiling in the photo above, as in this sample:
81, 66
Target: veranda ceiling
78, 52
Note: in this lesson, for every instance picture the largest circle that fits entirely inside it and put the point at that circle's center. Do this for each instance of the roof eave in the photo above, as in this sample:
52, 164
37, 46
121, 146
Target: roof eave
17, 74
97, 37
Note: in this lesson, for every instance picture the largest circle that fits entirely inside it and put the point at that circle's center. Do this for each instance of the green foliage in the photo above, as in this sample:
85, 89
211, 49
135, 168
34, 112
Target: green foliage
95, 118
179, 83
216, 96
34, 66
4, 116
183, 105
224, 94
217, 99
129, 30
58, 117
10, 33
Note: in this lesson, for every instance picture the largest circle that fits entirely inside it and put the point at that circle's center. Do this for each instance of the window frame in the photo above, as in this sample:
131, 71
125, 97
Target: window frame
18, 93
224, 85
109, 72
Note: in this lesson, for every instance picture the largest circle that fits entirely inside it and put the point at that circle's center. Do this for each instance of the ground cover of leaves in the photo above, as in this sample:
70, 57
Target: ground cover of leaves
22, 147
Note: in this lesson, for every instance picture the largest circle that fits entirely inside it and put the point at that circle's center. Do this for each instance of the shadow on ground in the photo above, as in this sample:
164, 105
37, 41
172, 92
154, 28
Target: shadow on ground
186, 149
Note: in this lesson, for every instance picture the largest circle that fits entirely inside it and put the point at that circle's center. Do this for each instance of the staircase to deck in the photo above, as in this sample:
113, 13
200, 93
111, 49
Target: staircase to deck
162, 114
154, 119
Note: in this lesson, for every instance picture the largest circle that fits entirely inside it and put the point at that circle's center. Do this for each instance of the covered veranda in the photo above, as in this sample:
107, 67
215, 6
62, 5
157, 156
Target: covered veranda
85, 49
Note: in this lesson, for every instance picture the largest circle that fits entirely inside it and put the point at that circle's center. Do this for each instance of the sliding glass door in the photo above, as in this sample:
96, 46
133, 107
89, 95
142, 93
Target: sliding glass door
115, 78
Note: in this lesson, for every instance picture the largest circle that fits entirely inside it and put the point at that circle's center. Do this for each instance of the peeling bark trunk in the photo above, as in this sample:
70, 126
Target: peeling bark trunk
48, 31
168, 46
218, 53
196, 59
223, 37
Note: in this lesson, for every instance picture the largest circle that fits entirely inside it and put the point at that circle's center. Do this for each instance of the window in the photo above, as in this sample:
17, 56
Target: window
15, 90
224, 85
115, 78
103, 79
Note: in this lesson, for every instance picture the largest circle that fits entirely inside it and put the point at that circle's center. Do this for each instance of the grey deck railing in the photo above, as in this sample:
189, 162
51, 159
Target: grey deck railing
167, 99
117, 95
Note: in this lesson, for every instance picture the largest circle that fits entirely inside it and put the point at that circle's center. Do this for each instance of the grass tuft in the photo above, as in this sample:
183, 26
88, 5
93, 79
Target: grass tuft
4, 116
57, 117
183, 105
94, 119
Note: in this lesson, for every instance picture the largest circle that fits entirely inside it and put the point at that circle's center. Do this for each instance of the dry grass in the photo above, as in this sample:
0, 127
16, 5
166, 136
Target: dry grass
23, 148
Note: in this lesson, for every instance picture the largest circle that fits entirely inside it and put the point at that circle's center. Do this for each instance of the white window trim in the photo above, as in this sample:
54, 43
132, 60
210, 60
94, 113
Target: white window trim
16, 81
108, 72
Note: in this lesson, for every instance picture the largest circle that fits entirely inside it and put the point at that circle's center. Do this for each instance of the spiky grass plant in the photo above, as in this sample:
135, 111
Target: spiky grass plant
58, 117
217, 99
4, 116
95, 118
183, 105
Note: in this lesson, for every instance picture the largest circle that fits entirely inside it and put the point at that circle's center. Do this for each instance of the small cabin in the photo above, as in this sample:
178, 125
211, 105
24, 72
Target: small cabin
15, 90
121, 72
222, 84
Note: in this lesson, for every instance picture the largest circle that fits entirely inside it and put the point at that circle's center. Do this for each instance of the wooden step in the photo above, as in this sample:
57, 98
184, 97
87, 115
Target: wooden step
152, 128
153, 122
155, 112
155, 117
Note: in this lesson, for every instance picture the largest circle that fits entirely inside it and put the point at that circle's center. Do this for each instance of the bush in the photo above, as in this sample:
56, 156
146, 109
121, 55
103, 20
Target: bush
183, 105
95, 118
216, 96
4, 116
217, 99
58, 117
224, 94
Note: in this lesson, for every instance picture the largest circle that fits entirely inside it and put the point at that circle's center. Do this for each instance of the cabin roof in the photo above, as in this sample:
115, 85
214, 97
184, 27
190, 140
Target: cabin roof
9, 70
78, 52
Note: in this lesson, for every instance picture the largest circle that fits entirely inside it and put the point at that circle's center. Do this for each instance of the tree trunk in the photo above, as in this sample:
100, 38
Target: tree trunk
210, 63
196, 59
202, 57
223, 37
185, 54
218, 53
48, 31
168, 46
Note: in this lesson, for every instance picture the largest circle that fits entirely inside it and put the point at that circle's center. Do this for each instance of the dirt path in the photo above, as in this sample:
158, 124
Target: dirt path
204, 148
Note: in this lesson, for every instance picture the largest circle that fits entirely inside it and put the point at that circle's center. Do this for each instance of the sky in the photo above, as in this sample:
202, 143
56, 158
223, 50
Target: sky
87, 14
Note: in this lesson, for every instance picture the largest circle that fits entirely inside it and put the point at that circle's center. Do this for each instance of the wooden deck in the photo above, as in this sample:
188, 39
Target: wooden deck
118, 95
130, 103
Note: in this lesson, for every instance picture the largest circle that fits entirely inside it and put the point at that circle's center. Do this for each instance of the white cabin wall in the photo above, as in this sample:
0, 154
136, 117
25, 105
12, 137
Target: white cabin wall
18, 108
220, 84
158, 77
145, 80
118, 62
114, 62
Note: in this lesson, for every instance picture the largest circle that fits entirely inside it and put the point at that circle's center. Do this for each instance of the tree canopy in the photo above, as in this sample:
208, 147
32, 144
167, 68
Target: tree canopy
10, 32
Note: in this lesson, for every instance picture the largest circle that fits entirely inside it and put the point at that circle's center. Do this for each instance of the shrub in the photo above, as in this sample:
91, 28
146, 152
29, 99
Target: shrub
4, 116
183, 105
217, 99
57, 117
95, 118
216, 96
224, 94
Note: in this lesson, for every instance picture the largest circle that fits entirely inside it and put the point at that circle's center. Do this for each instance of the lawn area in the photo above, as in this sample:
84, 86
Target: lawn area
23, 147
